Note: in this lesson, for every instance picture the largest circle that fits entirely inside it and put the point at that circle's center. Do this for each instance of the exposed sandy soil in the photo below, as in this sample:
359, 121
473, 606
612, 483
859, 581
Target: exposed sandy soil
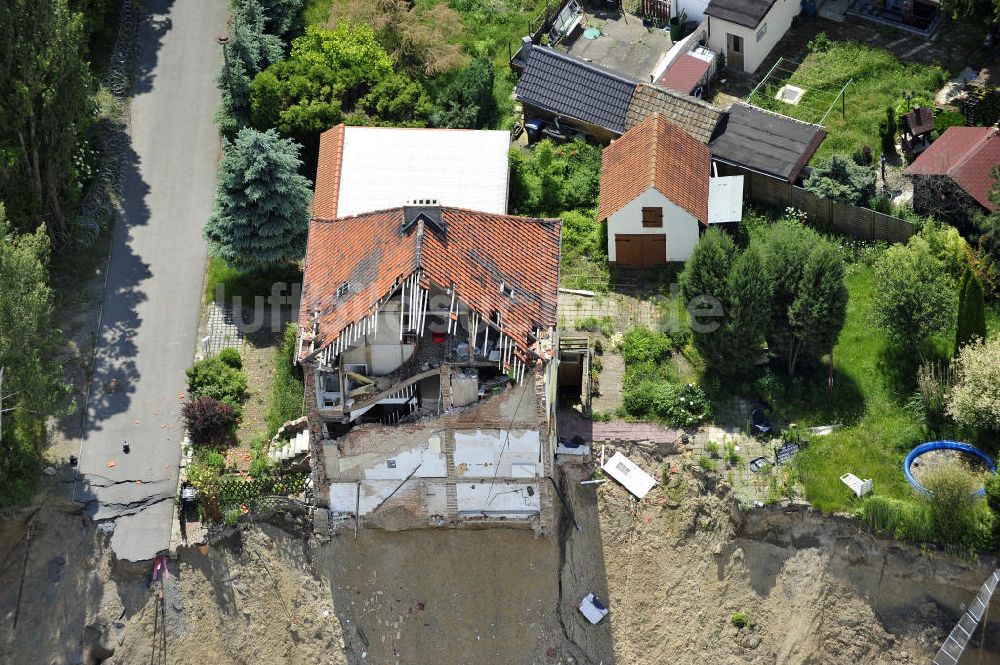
446, 596
818, 589
673, 569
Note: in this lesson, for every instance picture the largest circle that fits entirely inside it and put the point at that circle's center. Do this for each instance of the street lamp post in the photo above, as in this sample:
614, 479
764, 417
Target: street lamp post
223, 41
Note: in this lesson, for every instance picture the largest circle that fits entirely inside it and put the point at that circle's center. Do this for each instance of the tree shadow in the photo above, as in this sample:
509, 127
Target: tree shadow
154, 24
115, 373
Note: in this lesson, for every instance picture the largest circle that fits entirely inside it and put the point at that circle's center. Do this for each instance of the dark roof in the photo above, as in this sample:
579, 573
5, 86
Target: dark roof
747, 13
920, 120
655, 153
695, 116
474, 251
767, 142
968, 156
570, 87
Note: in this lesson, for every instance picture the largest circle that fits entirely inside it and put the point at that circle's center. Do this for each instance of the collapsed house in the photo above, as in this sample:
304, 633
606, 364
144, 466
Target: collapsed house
426, 337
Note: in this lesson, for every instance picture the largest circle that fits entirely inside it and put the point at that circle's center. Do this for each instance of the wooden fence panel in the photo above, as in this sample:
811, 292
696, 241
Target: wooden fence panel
851, 221
892, 229
817, 209
769, 190
823, 213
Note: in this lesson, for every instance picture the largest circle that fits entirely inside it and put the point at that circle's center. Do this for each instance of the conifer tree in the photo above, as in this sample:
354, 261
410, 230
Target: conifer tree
261, 209
971, 311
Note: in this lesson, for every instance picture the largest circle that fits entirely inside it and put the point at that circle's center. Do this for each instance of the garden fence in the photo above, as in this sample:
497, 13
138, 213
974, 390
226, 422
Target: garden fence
825, 214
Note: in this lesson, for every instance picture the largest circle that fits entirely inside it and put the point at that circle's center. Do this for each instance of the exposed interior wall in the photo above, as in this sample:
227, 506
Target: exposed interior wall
680, 226
773, 26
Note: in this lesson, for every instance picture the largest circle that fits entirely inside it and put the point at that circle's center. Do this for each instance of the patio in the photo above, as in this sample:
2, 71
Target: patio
624, 45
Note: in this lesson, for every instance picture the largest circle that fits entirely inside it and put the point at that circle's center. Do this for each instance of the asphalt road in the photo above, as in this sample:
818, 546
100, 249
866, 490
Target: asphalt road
154, 282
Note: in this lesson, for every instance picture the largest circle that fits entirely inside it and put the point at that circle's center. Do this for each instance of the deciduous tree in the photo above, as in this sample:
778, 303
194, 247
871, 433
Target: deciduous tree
31, 378
975, 398
45, 86
914, 297
324, 77
261, 204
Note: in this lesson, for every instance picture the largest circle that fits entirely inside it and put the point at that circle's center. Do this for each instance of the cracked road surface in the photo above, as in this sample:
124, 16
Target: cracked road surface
154, 281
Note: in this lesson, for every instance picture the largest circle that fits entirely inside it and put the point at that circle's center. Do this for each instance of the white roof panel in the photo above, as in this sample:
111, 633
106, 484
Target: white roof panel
626, 472
387, 167
725, 199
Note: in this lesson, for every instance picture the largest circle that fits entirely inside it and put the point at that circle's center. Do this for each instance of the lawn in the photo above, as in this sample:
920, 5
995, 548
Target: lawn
877, 81
871, 387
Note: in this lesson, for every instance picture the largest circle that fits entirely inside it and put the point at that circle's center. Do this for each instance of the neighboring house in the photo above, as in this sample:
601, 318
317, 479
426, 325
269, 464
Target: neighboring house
372, 168
756, 140
655, 194
555, 86
745, 31
952, 178
425, 336
572, 94
695, 116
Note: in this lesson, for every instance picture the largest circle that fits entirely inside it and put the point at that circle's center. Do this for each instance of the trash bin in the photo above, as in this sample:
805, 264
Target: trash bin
676, 27
534, 129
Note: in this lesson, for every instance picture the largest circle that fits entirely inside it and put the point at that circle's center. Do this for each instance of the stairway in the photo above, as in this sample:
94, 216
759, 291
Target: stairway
958, 639
289, 448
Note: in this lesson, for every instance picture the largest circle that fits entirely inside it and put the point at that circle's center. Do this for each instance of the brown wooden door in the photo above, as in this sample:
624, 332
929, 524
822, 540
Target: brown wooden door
734, 52
640, 250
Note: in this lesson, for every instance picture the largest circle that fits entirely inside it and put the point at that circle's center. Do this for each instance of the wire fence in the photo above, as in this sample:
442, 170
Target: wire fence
101, 199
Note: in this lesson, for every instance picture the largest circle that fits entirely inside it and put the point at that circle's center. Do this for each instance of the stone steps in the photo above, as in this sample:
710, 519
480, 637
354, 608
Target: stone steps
290, 448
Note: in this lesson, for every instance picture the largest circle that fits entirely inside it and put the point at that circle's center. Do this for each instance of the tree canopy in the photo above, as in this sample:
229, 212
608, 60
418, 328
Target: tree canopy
45, 106
467, 102
261, 211
840, 179
974, 400
971, 322
31, 378
809, 295
324, 77
728, 296
550, 179
915, 297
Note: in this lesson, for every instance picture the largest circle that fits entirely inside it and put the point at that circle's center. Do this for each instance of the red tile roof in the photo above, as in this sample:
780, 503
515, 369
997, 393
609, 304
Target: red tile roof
968, 156
655, 153
331, 151
476, 252
684, 74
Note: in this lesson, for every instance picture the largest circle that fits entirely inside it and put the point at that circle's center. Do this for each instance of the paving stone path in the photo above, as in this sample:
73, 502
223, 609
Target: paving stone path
572, 424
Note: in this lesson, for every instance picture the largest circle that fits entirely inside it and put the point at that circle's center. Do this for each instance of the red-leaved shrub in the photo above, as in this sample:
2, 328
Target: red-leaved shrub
209, 422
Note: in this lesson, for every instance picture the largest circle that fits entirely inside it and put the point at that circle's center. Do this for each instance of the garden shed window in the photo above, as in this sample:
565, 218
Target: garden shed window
652, 217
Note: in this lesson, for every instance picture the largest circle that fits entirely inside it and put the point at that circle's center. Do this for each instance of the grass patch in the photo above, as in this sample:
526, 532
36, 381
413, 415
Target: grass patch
287, 390
871, 386
248, 285
877, 78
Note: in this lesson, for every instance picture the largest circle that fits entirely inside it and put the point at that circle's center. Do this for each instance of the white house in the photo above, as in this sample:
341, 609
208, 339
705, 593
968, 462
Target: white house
745, 31
655, 194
